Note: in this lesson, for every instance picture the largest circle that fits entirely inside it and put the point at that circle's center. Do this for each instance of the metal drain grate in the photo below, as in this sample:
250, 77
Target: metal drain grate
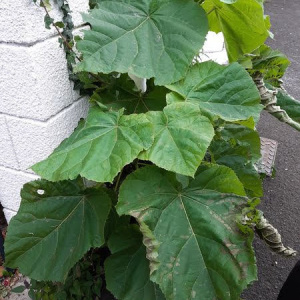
268, 150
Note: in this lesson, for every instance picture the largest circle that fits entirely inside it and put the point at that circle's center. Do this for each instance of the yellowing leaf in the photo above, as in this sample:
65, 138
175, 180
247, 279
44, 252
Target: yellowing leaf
202, 254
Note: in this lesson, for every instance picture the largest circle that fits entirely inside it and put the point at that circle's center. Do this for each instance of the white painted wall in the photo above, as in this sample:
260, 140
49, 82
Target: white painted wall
38, 107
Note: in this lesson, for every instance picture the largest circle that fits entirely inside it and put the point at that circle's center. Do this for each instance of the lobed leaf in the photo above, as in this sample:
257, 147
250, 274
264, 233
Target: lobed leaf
224, 91
242, 22
99, 148
181, 137
57, 223
202, 253
149, 38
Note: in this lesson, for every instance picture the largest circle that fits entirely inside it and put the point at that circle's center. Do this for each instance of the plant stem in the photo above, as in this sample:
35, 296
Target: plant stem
58, 31
65, 40
118, 181
136, 163
270, 235
209, 12
269, 100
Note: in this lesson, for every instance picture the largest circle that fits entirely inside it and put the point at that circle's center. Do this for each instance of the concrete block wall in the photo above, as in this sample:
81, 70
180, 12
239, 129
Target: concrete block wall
38, 107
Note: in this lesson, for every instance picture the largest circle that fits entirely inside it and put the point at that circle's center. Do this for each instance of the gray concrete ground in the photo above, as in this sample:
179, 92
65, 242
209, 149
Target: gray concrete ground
281, 202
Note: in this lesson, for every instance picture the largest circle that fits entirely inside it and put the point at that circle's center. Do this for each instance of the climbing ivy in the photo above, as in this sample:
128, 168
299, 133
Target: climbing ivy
163, 181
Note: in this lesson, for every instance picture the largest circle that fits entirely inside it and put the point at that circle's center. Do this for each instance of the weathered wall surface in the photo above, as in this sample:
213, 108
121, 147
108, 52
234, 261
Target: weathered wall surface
38, 107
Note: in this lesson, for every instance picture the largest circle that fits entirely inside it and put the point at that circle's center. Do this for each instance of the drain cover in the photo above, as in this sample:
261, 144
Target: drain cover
268, 150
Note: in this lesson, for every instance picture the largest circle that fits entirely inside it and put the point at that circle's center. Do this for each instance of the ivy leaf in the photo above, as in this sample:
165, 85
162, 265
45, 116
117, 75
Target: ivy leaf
225, 91
181, 137
127, 270
238, 148
202, 253
48, 21
99, 148
57, 223
242, 23
46, 4
122, 93
151, 38
59, 24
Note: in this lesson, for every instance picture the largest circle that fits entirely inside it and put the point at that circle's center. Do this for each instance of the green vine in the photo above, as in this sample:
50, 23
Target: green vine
83, 81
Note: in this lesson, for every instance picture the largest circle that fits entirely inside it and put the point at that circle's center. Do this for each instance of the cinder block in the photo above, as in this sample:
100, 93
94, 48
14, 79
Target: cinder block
214, 42
219, 57
34, 141
22, 21
9, 214
11, 183
34, 81
78, 7
7, 153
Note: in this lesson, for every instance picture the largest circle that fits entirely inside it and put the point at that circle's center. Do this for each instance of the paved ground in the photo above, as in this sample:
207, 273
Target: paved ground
282, 194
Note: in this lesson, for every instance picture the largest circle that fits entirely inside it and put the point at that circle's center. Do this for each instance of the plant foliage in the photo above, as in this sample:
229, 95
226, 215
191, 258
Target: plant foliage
125, 34
192, 221
43, 223
174, 173
242, 22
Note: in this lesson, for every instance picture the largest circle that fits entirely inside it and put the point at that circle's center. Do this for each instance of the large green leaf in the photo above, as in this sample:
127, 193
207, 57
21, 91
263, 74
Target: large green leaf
127, 271
181, 138
238, 147
122, 93
56, 224
99, 148
217, 178
202, 254
225, 91
148, 38
289, 104
243, 24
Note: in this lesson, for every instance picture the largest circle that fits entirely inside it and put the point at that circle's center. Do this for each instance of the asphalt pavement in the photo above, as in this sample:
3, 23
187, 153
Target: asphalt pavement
281, 203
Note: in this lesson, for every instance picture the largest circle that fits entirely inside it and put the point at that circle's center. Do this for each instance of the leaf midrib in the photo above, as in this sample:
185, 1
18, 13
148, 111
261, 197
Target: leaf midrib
180, 197
121, 36
82, 142
82, 201
194, 236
